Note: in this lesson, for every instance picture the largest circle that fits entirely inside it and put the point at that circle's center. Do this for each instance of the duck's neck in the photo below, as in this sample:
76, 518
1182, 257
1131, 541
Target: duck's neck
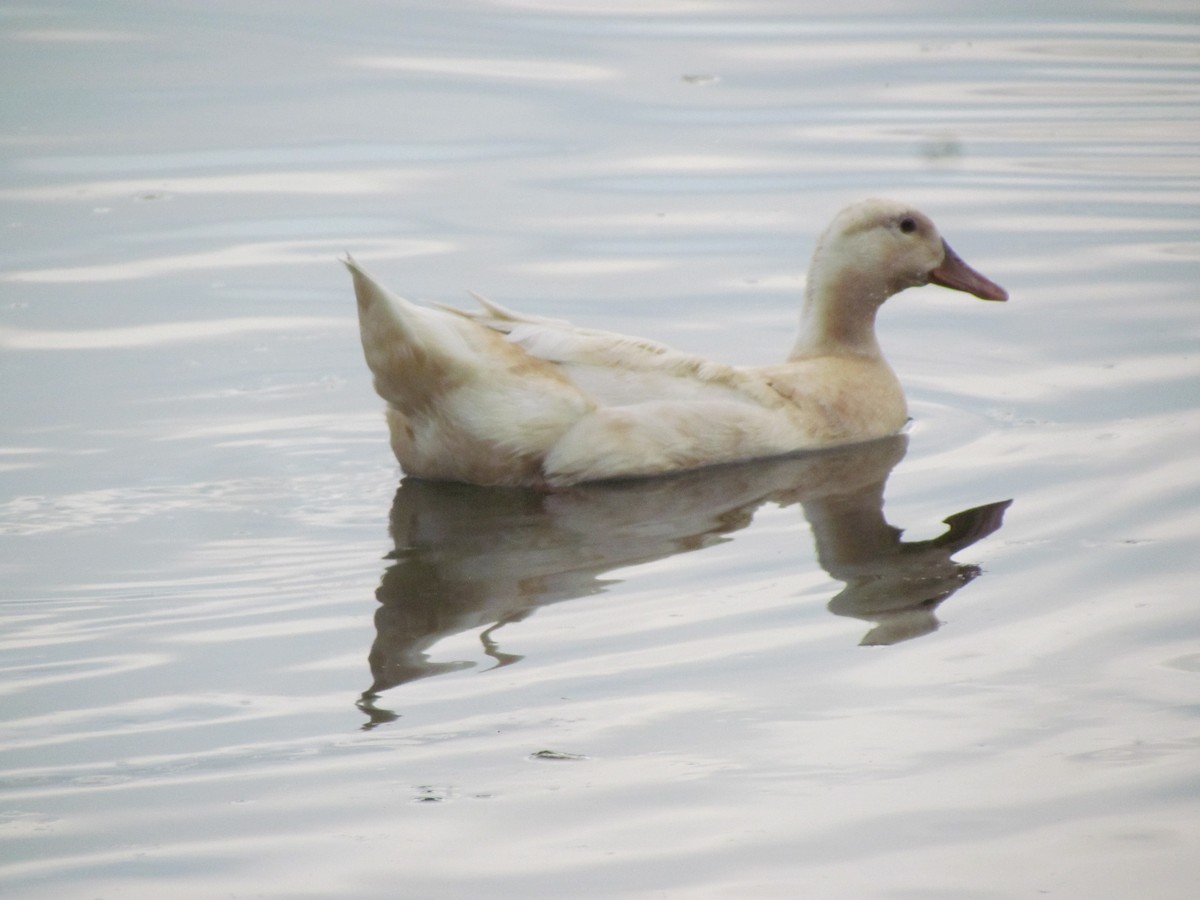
838, 316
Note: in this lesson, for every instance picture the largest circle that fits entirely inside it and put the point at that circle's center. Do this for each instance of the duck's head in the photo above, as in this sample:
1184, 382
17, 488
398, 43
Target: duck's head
876, 248
872, 250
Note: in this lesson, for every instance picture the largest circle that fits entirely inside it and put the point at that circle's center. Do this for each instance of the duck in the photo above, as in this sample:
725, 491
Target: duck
490, 396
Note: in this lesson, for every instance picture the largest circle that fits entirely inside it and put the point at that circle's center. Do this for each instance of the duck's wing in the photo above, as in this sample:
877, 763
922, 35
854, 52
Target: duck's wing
617, 369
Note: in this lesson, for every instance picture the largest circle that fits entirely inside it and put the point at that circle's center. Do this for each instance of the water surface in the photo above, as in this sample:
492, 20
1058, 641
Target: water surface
243, 657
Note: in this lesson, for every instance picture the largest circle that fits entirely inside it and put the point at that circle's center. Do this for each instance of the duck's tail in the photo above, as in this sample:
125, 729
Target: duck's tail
413, 351
378, 308
464, 404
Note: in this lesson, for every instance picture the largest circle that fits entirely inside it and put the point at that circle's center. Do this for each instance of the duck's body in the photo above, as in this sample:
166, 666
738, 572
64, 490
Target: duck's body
495, 397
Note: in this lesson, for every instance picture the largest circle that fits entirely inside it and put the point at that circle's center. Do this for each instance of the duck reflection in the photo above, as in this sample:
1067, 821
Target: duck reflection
471, 558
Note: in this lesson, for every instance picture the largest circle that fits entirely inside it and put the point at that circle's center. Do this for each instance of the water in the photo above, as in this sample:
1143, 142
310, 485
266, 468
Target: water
242, 658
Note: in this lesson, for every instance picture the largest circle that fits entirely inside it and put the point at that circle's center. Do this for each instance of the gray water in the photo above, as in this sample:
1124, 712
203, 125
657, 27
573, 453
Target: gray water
242, 657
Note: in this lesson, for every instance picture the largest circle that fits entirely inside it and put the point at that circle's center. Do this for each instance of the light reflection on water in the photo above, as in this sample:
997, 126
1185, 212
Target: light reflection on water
237, 256
196, 485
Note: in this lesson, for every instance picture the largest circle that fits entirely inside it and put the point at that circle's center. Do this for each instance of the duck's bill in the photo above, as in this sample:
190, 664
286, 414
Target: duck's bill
956, 274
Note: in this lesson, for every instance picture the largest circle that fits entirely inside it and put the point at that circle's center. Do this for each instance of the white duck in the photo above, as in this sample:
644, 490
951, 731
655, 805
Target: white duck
499, 398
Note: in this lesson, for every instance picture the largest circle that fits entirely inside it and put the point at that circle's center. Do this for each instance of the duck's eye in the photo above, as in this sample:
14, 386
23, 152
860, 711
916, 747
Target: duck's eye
908, 225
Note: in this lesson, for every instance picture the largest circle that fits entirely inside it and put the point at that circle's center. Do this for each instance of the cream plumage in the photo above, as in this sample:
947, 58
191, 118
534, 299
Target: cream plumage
499, 398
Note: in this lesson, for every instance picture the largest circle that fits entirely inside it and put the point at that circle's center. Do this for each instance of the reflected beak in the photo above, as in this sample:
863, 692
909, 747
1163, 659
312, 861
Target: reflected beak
956, 274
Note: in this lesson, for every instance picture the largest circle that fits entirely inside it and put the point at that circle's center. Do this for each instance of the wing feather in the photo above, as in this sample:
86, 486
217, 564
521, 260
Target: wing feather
617, 369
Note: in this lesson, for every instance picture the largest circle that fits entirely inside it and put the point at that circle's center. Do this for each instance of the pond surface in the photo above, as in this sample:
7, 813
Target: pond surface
242, 657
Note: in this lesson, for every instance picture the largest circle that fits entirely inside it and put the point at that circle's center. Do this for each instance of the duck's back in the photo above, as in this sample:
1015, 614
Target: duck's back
618, 370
